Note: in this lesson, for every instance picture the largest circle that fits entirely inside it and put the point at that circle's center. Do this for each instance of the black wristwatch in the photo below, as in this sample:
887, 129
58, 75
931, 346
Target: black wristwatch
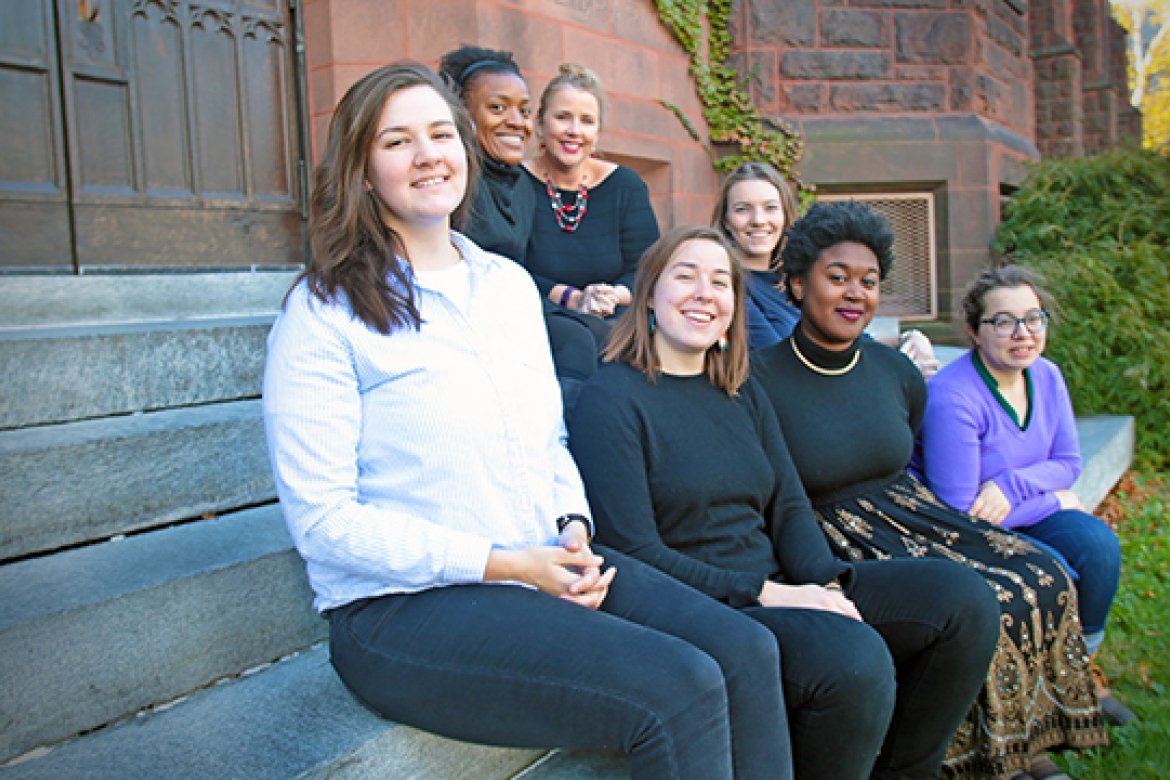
564, 520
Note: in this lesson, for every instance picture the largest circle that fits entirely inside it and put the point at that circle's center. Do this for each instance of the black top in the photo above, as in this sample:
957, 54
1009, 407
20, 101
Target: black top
696, 483
619, 225
501, 214
848, 429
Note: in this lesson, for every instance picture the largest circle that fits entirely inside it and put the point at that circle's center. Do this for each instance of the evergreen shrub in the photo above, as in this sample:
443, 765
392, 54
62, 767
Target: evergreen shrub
1098, 229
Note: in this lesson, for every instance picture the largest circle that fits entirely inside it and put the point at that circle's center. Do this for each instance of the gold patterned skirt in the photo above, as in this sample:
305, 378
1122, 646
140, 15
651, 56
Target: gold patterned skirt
1039, 691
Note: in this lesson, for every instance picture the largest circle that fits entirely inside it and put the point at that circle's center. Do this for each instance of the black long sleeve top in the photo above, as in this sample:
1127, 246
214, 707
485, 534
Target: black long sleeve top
502, 210
698, 484
619, 225
849, 429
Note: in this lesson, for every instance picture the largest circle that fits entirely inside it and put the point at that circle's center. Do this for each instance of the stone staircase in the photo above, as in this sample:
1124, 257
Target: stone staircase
155, 618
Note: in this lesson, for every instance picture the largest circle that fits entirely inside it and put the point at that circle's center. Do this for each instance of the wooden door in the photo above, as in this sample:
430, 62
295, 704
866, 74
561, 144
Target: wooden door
148, 133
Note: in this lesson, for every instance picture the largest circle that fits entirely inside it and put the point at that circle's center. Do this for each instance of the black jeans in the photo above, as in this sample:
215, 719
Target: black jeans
686, 686
883, 698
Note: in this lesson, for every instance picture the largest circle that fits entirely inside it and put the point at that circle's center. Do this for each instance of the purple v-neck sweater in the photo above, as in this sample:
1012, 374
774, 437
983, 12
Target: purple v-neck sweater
968, 437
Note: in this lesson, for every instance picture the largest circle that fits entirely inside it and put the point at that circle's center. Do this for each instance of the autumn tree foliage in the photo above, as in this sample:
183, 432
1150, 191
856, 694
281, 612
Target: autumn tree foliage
1148, 25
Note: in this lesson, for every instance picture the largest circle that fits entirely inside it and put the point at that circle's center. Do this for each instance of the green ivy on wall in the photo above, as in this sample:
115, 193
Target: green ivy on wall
703, 29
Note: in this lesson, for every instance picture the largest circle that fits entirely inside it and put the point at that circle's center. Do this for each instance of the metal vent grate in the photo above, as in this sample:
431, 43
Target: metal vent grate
909, 292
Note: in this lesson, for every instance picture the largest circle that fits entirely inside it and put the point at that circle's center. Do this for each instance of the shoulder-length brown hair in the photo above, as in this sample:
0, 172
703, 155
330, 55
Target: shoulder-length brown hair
755, 171
632, 340
353, 251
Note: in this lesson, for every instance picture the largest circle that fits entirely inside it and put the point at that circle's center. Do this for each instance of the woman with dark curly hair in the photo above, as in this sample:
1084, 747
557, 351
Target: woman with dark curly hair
849, 409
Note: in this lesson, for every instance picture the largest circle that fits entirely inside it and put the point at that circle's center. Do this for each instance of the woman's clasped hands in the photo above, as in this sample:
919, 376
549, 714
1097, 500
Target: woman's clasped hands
570, 571
776, 594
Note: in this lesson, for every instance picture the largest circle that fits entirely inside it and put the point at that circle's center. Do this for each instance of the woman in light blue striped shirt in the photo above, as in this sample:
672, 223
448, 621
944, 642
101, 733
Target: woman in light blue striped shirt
414, 425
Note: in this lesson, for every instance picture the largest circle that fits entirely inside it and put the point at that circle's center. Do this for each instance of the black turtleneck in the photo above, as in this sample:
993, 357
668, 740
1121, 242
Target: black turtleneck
846, 429
502, 212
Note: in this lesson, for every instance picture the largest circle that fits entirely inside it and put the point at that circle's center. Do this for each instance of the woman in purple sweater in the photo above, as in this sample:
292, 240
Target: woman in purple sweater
998, 440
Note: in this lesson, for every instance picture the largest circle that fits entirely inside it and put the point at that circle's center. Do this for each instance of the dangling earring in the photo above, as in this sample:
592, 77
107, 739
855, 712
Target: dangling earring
722, 343
653, 323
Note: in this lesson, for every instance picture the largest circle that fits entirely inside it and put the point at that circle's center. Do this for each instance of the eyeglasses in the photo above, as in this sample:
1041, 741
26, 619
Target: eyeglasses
1005, 325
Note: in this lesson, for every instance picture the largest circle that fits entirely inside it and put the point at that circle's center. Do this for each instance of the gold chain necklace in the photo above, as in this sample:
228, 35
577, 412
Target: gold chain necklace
824, 371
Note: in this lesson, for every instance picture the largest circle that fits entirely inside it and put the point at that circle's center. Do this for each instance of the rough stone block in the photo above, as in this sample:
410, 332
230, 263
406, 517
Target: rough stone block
805, 98
941, 39
860, 29
1003, 63
790, 23
534, 40
89, 480
836, 65
94, 634
962, 86
639, 22
887, 97
1005, 35
758, 70
989, 96
356, 39
935, 4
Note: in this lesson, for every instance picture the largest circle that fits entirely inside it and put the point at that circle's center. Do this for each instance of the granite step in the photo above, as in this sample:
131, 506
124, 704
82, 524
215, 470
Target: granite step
68, 484
60, 374
293, 719
94, 634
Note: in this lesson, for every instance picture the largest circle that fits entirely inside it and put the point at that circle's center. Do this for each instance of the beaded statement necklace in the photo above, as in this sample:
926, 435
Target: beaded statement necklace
568, 217
811, 366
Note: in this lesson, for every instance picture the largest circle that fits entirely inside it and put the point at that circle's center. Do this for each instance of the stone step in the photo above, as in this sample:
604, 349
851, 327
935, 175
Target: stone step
293, 719
67, 484
28, 302
94, 634
68, 373
1107, 443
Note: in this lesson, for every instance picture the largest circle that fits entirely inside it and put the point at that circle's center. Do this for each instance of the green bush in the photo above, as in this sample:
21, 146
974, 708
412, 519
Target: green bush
1098, 229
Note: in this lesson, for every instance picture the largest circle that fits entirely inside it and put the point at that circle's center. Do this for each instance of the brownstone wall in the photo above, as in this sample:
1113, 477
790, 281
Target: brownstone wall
923, 57
636, 57
949, 97
1059, 84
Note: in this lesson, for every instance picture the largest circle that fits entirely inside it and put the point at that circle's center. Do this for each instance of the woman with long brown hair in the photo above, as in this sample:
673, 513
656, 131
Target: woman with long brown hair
416, 437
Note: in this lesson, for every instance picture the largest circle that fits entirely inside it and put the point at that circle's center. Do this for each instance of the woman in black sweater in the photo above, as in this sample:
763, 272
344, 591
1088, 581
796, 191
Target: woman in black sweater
849, 408
685, 469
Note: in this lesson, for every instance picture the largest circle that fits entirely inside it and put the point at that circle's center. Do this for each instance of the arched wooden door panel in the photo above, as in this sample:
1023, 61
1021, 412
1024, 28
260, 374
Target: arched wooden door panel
159, 133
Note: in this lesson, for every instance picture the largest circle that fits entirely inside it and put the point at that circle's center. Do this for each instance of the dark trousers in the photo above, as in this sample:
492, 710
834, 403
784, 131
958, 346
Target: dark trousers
686, 686
883, 698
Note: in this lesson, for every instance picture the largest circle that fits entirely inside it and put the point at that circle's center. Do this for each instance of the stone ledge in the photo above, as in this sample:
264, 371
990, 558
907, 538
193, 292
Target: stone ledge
293, 719
92, 635
56, 301
67, 484
71, 373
